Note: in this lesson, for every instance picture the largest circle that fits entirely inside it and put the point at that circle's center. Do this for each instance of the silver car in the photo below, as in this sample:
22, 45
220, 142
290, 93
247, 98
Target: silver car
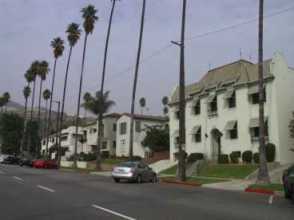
134, 171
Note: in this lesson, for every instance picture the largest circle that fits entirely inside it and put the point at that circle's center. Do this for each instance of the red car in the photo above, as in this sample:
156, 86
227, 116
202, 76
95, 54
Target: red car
45, 164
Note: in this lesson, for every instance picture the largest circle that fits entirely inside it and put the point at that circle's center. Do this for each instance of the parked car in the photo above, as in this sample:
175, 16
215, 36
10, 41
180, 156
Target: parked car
134, 171
45, 164
10, 160
3, 157
288, 181
26, 159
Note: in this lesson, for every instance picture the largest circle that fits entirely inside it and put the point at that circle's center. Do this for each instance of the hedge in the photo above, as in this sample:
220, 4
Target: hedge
234, 156
270, 152
194, 157
224, 159
247, 156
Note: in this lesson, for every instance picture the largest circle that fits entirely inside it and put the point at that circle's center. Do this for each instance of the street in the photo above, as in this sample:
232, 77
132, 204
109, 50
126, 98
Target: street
27, 193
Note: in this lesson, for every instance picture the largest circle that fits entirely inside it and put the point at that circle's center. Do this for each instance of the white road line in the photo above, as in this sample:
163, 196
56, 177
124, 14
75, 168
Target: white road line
46, 188
271, 199
112, 212
18, 178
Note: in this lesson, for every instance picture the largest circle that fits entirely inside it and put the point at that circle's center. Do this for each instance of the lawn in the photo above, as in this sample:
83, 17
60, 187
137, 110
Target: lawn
170, 171
113, 161
233, 171
273, 187
195, 180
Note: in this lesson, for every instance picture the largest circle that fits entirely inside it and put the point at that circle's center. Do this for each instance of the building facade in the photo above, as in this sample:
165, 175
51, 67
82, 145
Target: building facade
141, 122
222, 110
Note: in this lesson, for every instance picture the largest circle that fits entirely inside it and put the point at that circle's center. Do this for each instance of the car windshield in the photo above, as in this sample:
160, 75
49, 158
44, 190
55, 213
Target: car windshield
128, 164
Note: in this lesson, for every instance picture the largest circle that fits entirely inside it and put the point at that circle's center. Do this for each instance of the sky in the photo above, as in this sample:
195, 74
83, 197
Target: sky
28, 26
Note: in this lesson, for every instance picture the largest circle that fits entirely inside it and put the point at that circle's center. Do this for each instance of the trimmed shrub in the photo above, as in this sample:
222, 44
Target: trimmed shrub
224, 159
256, 158
194, 157
234, 156
247, 156
270, 152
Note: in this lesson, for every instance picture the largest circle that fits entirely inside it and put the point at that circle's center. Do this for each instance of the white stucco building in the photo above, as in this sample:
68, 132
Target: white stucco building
226, 100
140, 124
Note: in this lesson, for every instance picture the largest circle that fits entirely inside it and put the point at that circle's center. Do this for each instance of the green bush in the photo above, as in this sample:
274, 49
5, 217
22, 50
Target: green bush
234, 156
270, 152
224, 159
247, 156
194, 157
256, 158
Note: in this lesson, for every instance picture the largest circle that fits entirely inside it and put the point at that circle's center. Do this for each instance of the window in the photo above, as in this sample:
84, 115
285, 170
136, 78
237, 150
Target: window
113, 144
114, 127
197, 136
177, 114
123, 128
197, 108
254, 97
104, 145
232, 101
255, 131
64, 138
234, 132
138, 126
212, 106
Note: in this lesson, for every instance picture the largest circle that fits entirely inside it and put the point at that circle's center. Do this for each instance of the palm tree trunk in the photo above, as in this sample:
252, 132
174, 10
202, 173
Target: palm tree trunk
33, 100
64, 96
45, 119
263, 176
182, 129
100, 116
79, 101
23, 139
40, 97
136, 79
50, 107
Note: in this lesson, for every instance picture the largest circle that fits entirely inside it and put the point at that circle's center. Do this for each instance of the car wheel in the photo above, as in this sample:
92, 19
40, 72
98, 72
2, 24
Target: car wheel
139, 179
116, 180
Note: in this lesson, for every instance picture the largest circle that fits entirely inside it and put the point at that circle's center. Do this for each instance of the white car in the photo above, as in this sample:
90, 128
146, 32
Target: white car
3, 157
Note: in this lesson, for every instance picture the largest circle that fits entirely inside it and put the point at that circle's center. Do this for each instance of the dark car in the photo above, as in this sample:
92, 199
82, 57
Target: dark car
134, 171
11, 160
288, 181
25, 162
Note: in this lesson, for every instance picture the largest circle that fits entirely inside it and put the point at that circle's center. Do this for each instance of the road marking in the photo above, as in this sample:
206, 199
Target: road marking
18, 178
112, 212
271, 199
46, 188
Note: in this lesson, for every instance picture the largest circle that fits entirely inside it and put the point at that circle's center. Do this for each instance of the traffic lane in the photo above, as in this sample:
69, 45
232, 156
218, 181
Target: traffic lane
20, 200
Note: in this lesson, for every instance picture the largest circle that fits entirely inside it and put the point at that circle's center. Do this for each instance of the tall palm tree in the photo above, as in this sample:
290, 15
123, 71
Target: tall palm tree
46, 97
142, 102
26, 93
73, 35
58, 47
6, 98
2, 102
263, 176
136, 79
43, 71
34, 71
164, 102
89, 16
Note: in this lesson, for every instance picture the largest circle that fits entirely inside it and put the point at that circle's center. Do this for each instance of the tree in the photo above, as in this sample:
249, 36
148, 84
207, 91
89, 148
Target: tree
136, 79
89, 16
97, 105
26, 94
100, 115
73, 35
263, 176
33, 71
11, 128
165, 103
46, 97
4, 100
58, 47
157, 138
43, 71
142, 102
182, 101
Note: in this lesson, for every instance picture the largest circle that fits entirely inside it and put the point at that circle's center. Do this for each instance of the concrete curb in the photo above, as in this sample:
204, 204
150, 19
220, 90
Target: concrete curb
265, 192
176, 182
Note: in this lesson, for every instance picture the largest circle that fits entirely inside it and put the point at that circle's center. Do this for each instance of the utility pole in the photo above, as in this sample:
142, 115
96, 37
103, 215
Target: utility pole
182, 101
263, 176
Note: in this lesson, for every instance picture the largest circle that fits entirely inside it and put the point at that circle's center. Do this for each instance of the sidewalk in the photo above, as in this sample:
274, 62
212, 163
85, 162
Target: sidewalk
233, 185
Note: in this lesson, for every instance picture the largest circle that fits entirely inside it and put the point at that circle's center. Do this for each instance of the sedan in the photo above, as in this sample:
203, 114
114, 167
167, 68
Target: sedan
288, 182
45, 164
10, 160
3, 157
134, 171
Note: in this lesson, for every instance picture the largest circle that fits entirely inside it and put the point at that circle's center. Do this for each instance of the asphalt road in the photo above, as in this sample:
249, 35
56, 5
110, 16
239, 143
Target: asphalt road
27, 193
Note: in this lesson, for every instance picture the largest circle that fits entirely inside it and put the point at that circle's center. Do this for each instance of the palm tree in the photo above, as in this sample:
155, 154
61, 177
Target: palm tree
164, 103
136, 79
6, 98
142, 103
46, 97
263, 176
2, 102
26, 94
58, 48
89, 16
100, 116
34, 71
43, 71
73, 35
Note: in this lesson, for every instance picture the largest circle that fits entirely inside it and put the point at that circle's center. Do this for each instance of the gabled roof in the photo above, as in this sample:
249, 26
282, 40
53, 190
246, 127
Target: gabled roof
147, 117
239, 72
